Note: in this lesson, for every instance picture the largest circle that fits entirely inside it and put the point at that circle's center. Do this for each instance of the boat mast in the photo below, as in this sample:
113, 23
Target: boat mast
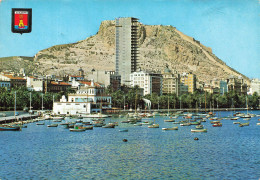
205, 102
42, 101
30, 101
124, 102
168, 104
217, 107
14, 104
246, 106
135, 101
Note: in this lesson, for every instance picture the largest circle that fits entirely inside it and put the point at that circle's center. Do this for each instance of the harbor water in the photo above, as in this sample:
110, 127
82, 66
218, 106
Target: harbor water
41, 152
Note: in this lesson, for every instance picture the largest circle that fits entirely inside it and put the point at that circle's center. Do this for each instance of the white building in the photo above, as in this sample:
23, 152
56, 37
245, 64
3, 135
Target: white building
255, 86
86, 100
35, 84
148, 81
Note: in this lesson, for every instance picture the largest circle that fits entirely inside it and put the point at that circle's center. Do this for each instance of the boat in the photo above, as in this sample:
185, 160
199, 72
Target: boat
169, 120
40, 123
236, 122
234, 118
199, 130
99, 115
88, 127
109, 125
153, 126
123, 130
147, 123
195, 123
246, 119
185, 124
173, 128
214, 122
124, 121
77, 130
9, 128
58, 118
176, 122
52, 125
244, 124
217, 125
199, 127
138, 124
258, 124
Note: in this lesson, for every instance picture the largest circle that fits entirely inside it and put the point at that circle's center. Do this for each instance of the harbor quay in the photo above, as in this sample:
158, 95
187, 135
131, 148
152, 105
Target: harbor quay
10, 119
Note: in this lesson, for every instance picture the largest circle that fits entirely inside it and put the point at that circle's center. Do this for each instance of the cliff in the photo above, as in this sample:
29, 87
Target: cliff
159, 45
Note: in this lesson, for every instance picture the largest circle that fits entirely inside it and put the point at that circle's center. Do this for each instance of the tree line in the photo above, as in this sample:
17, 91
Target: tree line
131, 98
7, 99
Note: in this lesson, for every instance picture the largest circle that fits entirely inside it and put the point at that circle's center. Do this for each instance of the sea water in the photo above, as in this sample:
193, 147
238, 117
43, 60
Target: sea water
39, 152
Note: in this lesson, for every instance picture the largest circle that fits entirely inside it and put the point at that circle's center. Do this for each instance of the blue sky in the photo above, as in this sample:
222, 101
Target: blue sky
230, 27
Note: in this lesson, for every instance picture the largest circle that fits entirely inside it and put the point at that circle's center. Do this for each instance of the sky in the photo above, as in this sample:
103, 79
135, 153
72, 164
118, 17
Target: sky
230, 27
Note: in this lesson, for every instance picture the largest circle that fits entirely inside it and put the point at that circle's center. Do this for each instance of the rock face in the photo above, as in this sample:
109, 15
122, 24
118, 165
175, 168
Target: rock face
159, 45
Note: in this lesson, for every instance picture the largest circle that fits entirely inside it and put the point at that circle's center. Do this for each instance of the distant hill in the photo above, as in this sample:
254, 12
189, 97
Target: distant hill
159, 45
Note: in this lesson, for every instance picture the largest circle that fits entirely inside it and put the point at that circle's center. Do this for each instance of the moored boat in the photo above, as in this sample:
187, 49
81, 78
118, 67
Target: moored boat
169, 120
77, 130
153, 126
217, 125
9, 128
109, 125
138, 124
185, 124
244, 124
52, 125
234, 118
88, 127
199, 130
173, 128
236, 122
123, 130
58, 118
199, 126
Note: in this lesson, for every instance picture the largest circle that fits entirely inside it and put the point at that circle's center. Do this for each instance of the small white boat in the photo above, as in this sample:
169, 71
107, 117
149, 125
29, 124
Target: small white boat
173, 128
199, 126
58, 118
123, 130
236, 122
99, 115
246, 119
52, 125
153, 126
138, 124
199, 130
169, 120
185, 124
77, 130
258, 124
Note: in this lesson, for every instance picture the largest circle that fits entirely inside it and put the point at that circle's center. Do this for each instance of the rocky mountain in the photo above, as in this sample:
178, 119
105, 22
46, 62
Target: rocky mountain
159, 45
